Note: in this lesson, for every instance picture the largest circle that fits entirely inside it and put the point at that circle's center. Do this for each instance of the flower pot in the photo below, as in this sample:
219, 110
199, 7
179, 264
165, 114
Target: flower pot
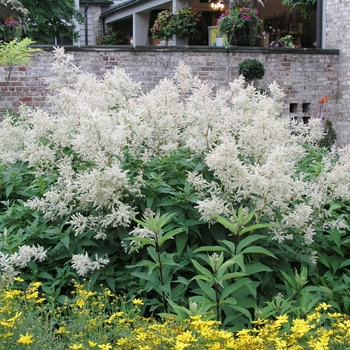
245, 36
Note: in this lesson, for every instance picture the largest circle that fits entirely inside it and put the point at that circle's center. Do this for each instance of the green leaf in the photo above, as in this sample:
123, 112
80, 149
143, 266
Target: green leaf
248, 218
144, 276
232, 275
202, 270
144, 241
181, 241
255, 267
242, 311
169, 235
214, 249
226, 223
111, 284
227, 301
291, 281
235, 286
254, 227
203, 278
227, 264
336, 237
9, 189
45, 275
207, 290
66, 240
258, 250
248, 240
345, 263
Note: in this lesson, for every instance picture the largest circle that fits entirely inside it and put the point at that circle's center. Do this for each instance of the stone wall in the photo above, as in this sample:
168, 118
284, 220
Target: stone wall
305, 75
338, 37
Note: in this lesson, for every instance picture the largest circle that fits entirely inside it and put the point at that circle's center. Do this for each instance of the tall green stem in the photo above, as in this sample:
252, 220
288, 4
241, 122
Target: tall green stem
165, 303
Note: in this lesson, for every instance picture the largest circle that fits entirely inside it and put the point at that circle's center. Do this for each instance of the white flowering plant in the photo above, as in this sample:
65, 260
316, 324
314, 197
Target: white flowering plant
227, 167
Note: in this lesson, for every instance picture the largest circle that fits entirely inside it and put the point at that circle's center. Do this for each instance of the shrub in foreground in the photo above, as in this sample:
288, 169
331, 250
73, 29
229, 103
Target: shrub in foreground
176, 196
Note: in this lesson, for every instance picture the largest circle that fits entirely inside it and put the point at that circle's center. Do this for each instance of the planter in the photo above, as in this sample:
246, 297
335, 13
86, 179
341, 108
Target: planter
245, 36
241, 38
182, 41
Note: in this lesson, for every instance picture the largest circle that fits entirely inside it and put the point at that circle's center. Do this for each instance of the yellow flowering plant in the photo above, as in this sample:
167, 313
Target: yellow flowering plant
107, 322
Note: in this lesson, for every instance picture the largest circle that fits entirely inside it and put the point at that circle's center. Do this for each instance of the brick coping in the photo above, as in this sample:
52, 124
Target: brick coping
189, 48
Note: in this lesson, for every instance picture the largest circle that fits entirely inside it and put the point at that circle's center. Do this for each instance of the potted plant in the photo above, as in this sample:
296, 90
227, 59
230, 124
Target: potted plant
160, 29
186, 22
240, 25
10, 30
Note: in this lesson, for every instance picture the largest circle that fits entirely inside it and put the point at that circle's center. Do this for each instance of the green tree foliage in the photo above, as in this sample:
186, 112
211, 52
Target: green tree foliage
304, 6
49, 19
15, 53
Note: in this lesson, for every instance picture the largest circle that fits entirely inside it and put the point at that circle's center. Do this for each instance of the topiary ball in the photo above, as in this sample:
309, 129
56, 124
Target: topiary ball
251, 69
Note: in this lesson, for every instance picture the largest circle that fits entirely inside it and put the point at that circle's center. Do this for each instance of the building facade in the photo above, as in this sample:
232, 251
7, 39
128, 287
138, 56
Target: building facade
328, 28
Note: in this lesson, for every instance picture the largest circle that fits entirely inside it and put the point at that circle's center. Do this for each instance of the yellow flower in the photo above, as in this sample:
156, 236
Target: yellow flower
122, 341
186, 337
80, 303
137, 302
25, 339
92, 344
323, 306
35, 284
281, 319
300, 328
108, 293
18, 279
260, 322
12, 294
14, 318
105, 346
32, 294
196, 317
334, 315
7, 335
62, 330
181, 346
215, 346
76, 346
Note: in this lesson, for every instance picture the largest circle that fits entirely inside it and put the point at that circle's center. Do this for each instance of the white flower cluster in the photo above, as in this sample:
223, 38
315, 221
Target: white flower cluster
84, 265
11, 264
139, 232
253, 151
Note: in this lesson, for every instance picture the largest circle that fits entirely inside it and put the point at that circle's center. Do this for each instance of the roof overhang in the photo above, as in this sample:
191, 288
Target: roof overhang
128, 8
94, 2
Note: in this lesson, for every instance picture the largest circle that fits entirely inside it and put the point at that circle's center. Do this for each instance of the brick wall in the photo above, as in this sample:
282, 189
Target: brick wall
305, 75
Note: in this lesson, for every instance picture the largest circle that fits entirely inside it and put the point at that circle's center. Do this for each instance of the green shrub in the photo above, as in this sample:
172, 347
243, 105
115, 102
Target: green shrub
251, 69
328, 140
113, 38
